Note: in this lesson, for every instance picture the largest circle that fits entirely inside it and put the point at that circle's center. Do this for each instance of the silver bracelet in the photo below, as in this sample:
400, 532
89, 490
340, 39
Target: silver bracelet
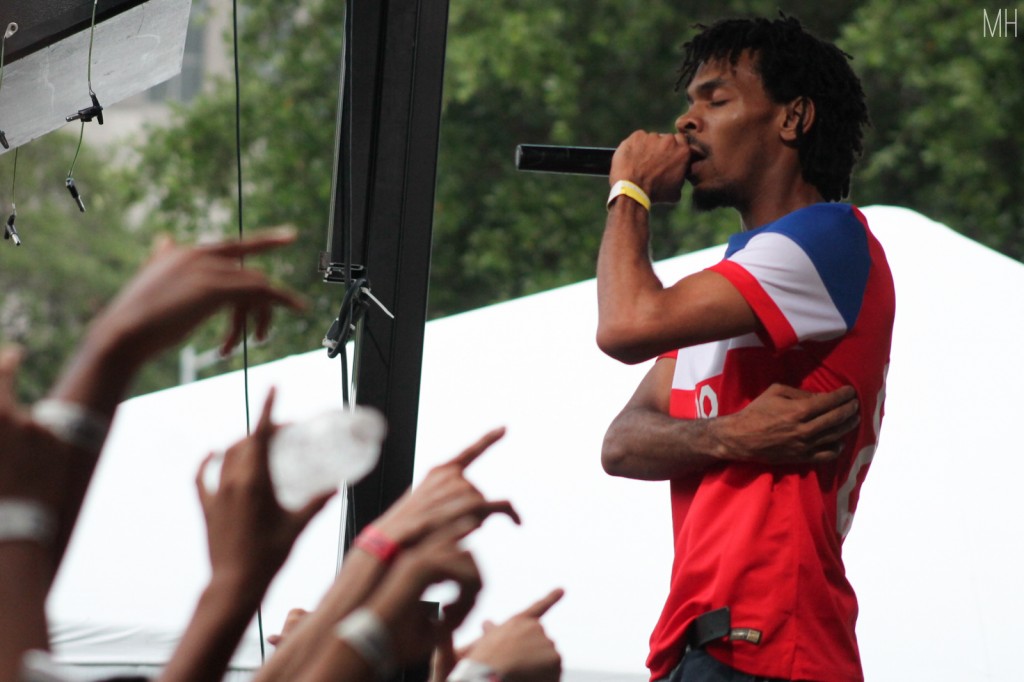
364, 631
39, 666
473, 671
72, 423
26, 520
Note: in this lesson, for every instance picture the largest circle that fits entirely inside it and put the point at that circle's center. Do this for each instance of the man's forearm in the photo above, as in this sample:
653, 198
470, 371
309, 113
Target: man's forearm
359, 575
221, 616
99, 375
649, 445
783, 426
25, 575
625, 277
96, 379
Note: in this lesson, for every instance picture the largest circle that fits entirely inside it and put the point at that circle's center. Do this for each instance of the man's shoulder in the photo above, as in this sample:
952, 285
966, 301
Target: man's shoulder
833, 219
816, 229
824, 231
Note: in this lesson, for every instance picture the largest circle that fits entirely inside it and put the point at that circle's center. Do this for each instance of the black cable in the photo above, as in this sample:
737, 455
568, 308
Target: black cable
241, 235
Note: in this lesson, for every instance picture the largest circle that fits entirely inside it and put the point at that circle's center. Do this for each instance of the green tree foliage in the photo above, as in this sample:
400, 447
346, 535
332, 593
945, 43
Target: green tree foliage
579, 73
289, 74
582, 72
947, 102
69, 263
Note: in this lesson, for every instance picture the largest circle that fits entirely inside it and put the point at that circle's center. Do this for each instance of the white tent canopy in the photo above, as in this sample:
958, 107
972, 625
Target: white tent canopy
934, 553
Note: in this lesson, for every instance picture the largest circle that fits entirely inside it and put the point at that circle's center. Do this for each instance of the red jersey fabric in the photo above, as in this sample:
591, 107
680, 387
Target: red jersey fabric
766, 541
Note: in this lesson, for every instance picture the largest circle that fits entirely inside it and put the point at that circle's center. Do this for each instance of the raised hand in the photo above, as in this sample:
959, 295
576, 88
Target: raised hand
444, 496
657, 162
249, 533
519, 649
179, 287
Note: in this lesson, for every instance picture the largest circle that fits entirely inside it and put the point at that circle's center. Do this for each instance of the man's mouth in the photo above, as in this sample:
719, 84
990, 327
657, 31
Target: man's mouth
697, 157
698, 153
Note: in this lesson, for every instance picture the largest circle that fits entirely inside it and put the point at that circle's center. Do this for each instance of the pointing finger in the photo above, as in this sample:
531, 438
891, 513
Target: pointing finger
469, 455
541, 606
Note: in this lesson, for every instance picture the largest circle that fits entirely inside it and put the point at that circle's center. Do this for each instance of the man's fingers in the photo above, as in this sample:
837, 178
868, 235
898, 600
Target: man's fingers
541, 606
257, 243
465, 573
467, 456
264, 423
236, 329
822, 403
836, 421
264, 313
162, 244
500, 507
204, 494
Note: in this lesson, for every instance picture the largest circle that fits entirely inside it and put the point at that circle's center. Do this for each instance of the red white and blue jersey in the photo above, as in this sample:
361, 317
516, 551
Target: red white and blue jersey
766, 540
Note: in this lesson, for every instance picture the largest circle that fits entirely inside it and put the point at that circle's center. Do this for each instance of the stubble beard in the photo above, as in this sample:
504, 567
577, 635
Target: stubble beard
706, 199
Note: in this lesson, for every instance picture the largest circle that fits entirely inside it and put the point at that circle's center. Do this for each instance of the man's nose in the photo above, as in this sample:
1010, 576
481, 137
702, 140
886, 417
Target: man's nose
688, 123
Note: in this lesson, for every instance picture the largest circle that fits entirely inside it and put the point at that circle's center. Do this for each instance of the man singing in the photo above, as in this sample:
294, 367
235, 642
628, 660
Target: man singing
764, 405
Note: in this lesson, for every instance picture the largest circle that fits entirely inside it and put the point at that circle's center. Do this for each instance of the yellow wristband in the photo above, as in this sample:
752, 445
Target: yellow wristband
632, 191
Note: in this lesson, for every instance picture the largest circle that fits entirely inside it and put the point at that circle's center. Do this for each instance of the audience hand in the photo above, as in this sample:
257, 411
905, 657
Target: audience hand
436, 559
291, 622
443, 496
250, 534
519, 650
182, 286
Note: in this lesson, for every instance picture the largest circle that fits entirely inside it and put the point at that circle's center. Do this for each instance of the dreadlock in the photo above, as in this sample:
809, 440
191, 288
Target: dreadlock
793, 63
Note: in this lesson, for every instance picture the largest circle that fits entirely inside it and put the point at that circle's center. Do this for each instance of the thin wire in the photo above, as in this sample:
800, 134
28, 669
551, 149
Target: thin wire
88, 71
241, 220
14, 173
92, 33
3, 46
241, 234
14, 177
78, 149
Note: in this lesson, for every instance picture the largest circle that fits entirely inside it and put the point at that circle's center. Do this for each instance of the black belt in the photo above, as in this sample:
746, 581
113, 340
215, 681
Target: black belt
716, 625
708, 627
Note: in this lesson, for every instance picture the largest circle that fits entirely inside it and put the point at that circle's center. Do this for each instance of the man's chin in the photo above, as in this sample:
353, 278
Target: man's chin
709, 198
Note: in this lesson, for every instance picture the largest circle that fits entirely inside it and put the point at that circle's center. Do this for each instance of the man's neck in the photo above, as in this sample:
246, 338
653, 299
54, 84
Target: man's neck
777, 199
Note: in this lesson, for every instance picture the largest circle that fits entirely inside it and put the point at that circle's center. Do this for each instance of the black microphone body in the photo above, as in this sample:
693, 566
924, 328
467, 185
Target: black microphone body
544, 158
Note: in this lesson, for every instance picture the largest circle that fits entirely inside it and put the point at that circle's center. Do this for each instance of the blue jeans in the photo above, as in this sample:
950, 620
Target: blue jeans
700, 666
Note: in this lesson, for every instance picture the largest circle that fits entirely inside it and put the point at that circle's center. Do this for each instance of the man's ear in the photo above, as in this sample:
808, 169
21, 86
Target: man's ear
799, 119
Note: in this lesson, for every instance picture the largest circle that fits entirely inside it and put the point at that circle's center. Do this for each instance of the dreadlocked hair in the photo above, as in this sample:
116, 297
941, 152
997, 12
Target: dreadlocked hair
792, 64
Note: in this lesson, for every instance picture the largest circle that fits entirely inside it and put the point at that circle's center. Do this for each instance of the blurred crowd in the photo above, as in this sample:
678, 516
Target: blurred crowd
371, 624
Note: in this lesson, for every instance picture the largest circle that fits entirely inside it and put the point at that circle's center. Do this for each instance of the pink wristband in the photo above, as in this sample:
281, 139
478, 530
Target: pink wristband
375, 543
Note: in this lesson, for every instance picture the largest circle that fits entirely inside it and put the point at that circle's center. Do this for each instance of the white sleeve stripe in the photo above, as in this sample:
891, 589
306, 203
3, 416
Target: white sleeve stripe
796, 288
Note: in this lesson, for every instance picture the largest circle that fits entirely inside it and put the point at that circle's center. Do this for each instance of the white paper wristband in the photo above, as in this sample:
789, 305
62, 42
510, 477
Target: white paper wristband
72, 423
26, 520
473, 671
364, 631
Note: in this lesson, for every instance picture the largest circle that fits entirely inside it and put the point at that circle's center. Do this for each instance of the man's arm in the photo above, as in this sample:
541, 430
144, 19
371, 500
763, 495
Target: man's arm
639, 318
444, 498
249, 536
175, 291
783, 425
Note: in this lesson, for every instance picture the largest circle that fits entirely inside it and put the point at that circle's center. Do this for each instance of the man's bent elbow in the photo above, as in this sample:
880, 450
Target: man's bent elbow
614, 457
619, 346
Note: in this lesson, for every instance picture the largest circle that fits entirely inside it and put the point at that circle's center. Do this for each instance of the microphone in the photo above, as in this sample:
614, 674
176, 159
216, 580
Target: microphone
544, 158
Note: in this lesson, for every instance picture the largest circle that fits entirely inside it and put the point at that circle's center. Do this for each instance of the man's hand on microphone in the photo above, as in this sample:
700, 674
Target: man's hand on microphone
656, 162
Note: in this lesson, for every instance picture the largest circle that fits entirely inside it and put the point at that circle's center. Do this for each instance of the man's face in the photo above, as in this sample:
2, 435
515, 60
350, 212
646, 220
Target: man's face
731, 124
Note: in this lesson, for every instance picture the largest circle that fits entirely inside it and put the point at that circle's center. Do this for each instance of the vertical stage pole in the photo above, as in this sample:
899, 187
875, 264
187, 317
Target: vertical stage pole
390, 110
